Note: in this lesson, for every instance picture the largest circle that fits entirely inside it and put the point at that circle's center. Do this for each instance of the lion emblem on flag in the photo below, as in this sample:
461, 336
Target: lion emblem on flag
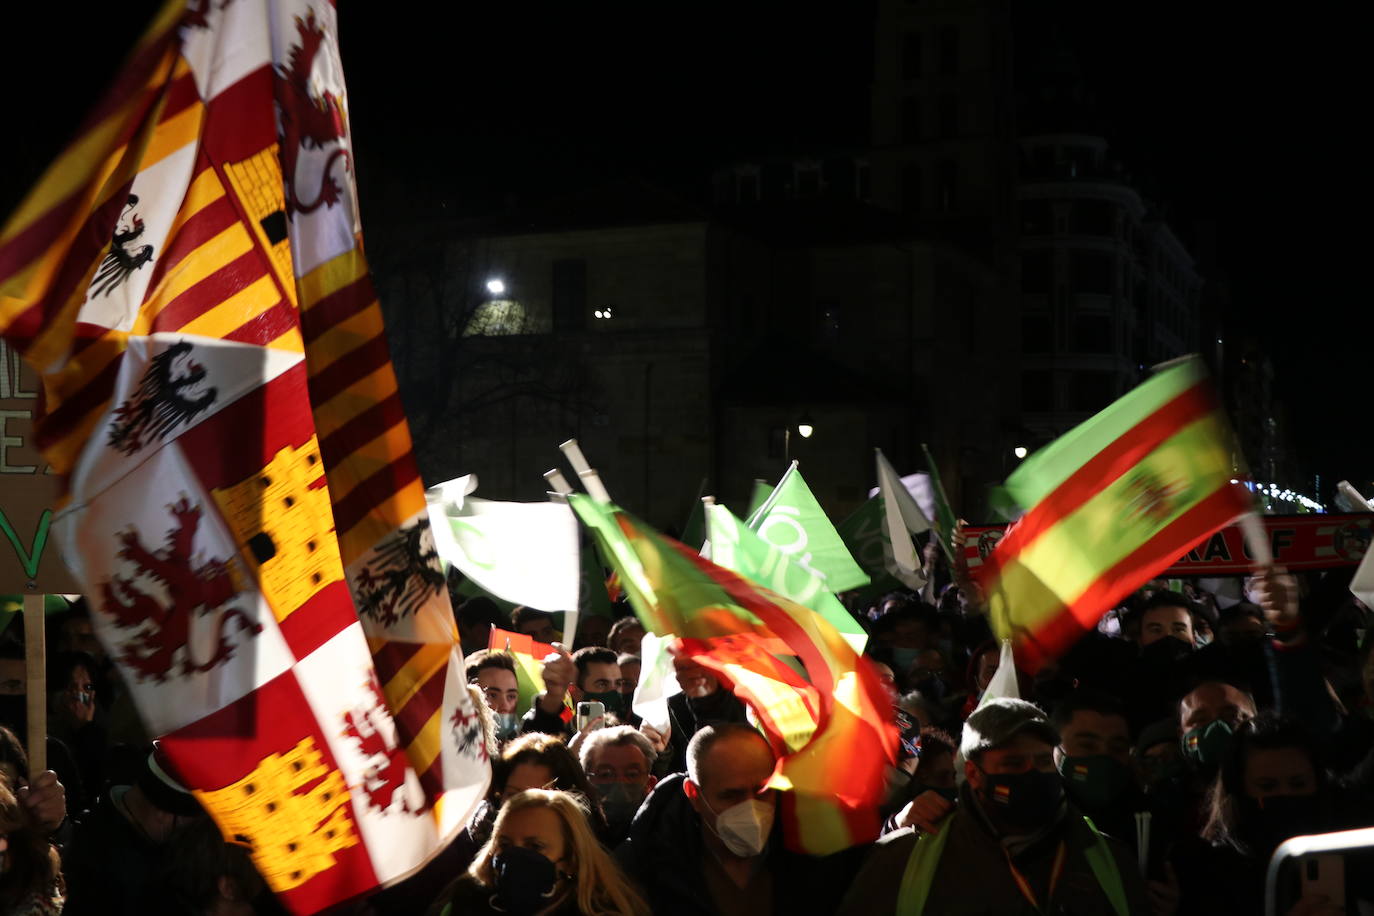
307, 119
169, 395
158, 618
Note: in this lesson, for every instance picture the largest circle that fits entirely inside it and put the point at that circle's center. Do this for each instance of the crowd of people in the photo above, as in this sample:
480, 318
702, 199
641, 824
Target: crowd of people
1151, 769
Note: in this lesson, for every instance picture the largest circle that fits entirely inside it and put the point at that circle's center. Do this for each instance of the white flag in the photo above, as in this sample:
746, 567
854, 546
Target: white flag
525, 553
657, 682
901, 518
921, 488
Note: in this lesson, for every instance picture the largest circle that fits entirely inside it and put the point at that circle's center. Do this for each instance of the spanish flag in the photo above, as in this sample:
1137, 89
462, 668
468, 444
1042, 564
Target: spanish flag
1109, 505
832, 730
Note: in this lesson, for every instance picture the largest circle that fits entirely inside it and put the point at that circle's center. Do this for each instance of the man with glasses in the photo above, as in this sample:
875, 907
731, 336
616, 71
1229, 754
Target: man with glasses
619, 764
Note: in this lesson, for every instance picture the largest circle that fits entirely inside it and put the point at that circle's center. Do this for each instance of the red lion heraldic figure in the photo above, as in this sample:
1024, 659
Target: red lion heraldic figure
307, 120
191, 589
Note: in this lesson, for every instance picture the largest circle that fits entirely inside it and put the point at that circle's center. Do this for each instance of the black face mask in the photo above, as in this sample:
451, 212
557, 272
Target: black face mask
1026, 801
711, 707
1262, 824
525, 880
949, 795
1166, 651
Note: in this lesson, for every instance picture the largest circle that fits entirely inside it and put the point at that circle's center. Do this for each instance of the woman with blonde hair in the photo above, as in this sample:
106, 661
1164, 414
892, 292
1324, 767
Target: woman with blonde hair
542, 859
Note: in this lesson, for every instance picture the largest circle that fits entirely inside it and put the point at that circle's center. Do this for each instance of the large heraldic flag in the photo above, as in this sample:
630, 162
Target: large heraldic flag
244, 511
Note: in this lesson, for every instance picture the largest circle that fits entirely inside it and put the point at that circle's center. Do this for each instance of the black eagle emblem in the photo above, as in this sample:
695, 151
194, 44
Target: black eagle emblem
124, 256
168, 396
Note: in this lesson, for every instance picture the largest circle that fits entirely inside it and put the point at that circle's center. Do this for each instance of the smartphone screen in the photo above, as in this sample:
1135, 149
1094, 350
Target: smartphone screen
589, 710
1324, 875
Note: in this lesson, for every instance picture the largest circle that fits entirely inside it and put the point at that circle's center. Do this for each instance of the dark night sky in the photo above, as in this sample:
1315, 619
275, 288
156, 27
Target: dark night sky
1245, 124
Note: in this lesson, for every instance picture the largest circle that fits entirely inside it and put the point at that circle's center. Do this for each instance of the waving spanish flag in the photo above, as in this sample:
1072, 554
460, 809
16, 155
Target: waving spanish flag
833, 730
1110, 505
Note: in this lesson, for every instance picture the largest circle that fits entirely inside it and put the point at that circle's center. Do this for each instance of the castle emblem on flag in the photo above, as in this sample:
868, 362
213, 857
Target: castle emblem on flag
124, 256
307, 120
169, 395
161, 633
401, 575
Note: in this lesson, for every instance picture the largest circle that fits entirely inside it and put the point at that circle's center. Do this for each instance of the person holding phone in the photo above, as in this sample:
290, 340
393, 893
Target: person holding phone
1271, 786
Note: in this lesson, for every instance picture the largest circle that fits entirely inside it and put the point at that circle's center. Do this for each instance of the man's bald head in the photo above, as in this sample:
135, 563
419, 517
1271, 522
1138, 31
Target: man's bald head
728, 764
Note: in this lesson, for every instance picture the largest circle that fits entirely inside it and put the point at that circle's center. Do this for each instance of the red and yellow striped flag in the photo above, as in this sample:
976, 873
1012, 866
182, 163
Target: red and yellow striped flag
1110, 505
833, 730
189, 283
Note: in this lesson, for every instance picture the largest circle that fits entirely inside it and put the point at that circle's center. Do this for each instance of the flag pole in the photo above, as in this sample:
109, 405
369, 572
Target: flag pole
557, 482
1255, 538
36, 678
585, 472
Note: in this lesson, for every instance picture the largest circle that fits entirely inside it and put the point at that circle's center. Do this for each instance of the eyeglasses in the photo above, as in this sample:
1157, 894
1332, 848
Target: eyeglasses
609, 774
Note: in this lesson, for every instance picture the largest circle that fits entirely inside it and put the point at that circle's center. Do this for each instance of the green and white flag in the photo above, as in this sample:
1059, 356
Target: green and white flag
943, 520
792, 521
736, 547
526, 553
901, 518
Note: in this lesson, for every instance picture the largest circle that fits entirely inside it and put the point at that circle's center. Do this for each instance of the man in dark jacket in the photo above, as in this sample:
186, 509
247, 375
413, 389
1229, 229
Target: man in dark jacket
709, 844
1030, 850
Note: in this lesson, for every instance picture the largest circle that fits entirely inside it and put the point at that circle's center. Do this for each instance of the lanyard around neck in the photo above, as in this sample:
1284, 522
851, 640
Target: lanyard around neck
1024, 886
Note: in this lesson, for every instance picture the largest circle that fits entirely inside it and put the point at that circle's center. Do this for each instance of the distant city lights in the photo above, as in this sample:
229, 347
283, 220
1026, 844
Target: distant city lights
1274, 491
603, 313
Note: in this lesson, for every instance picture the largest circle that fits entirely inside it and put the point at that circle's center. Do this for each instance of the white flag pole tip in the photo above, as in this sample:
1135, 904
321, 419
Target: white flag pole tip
573, 452
593, 485
558, 482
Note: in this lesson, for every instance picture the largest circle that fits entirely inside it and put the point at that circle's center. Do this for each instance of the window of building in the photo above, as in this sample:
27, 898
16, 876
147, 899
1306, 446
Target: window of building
1037, 333
911, 119
948, 114
1036, 271
1092, 334
946, 192
1035, 217
1092, 217
1092, 272
911, 188
569, 294
1091, 391
911, 56
1037, 391
949, 50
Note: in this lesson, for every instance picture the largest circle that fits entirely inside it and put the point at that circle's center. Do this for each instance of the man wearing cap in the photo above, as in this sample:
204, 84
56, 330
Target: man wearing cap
1031, 851
117, 847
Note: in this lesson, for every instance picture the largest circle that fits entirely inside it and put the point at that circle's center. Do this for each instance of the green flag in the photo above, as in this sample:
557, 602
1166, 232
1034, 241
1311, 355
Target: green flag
758, 496
593, 600
792, 521
862, 532
945, 520
736, 547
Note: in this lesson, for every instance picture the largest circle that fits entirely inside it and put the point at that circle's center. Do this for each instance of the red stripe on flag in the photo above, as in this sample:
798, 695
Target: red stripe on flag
1068, 624
233, 277
133, 78
204, 225
374, 491
92, 238
348, 368
1106, 466
432, 779
421, 705
239, 122
393, 656
38, 236
338, 306
362, 429
73, 410
267, 419
324, 615
266, 327
181, 94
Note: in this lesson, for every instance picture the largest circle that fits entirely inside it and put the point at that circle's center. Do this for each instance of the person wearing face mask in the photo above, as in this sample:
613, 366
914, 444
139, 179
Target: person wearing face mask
1030, 850
710, 843
493, 673
1162, 627
598, 680
619, 764
1271, 785
542, 859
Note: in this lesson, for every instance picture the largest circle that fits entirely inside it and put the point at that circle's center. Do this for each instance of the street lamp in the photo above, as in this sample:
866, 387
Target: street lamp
805, 426
1019, 451
496, 286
